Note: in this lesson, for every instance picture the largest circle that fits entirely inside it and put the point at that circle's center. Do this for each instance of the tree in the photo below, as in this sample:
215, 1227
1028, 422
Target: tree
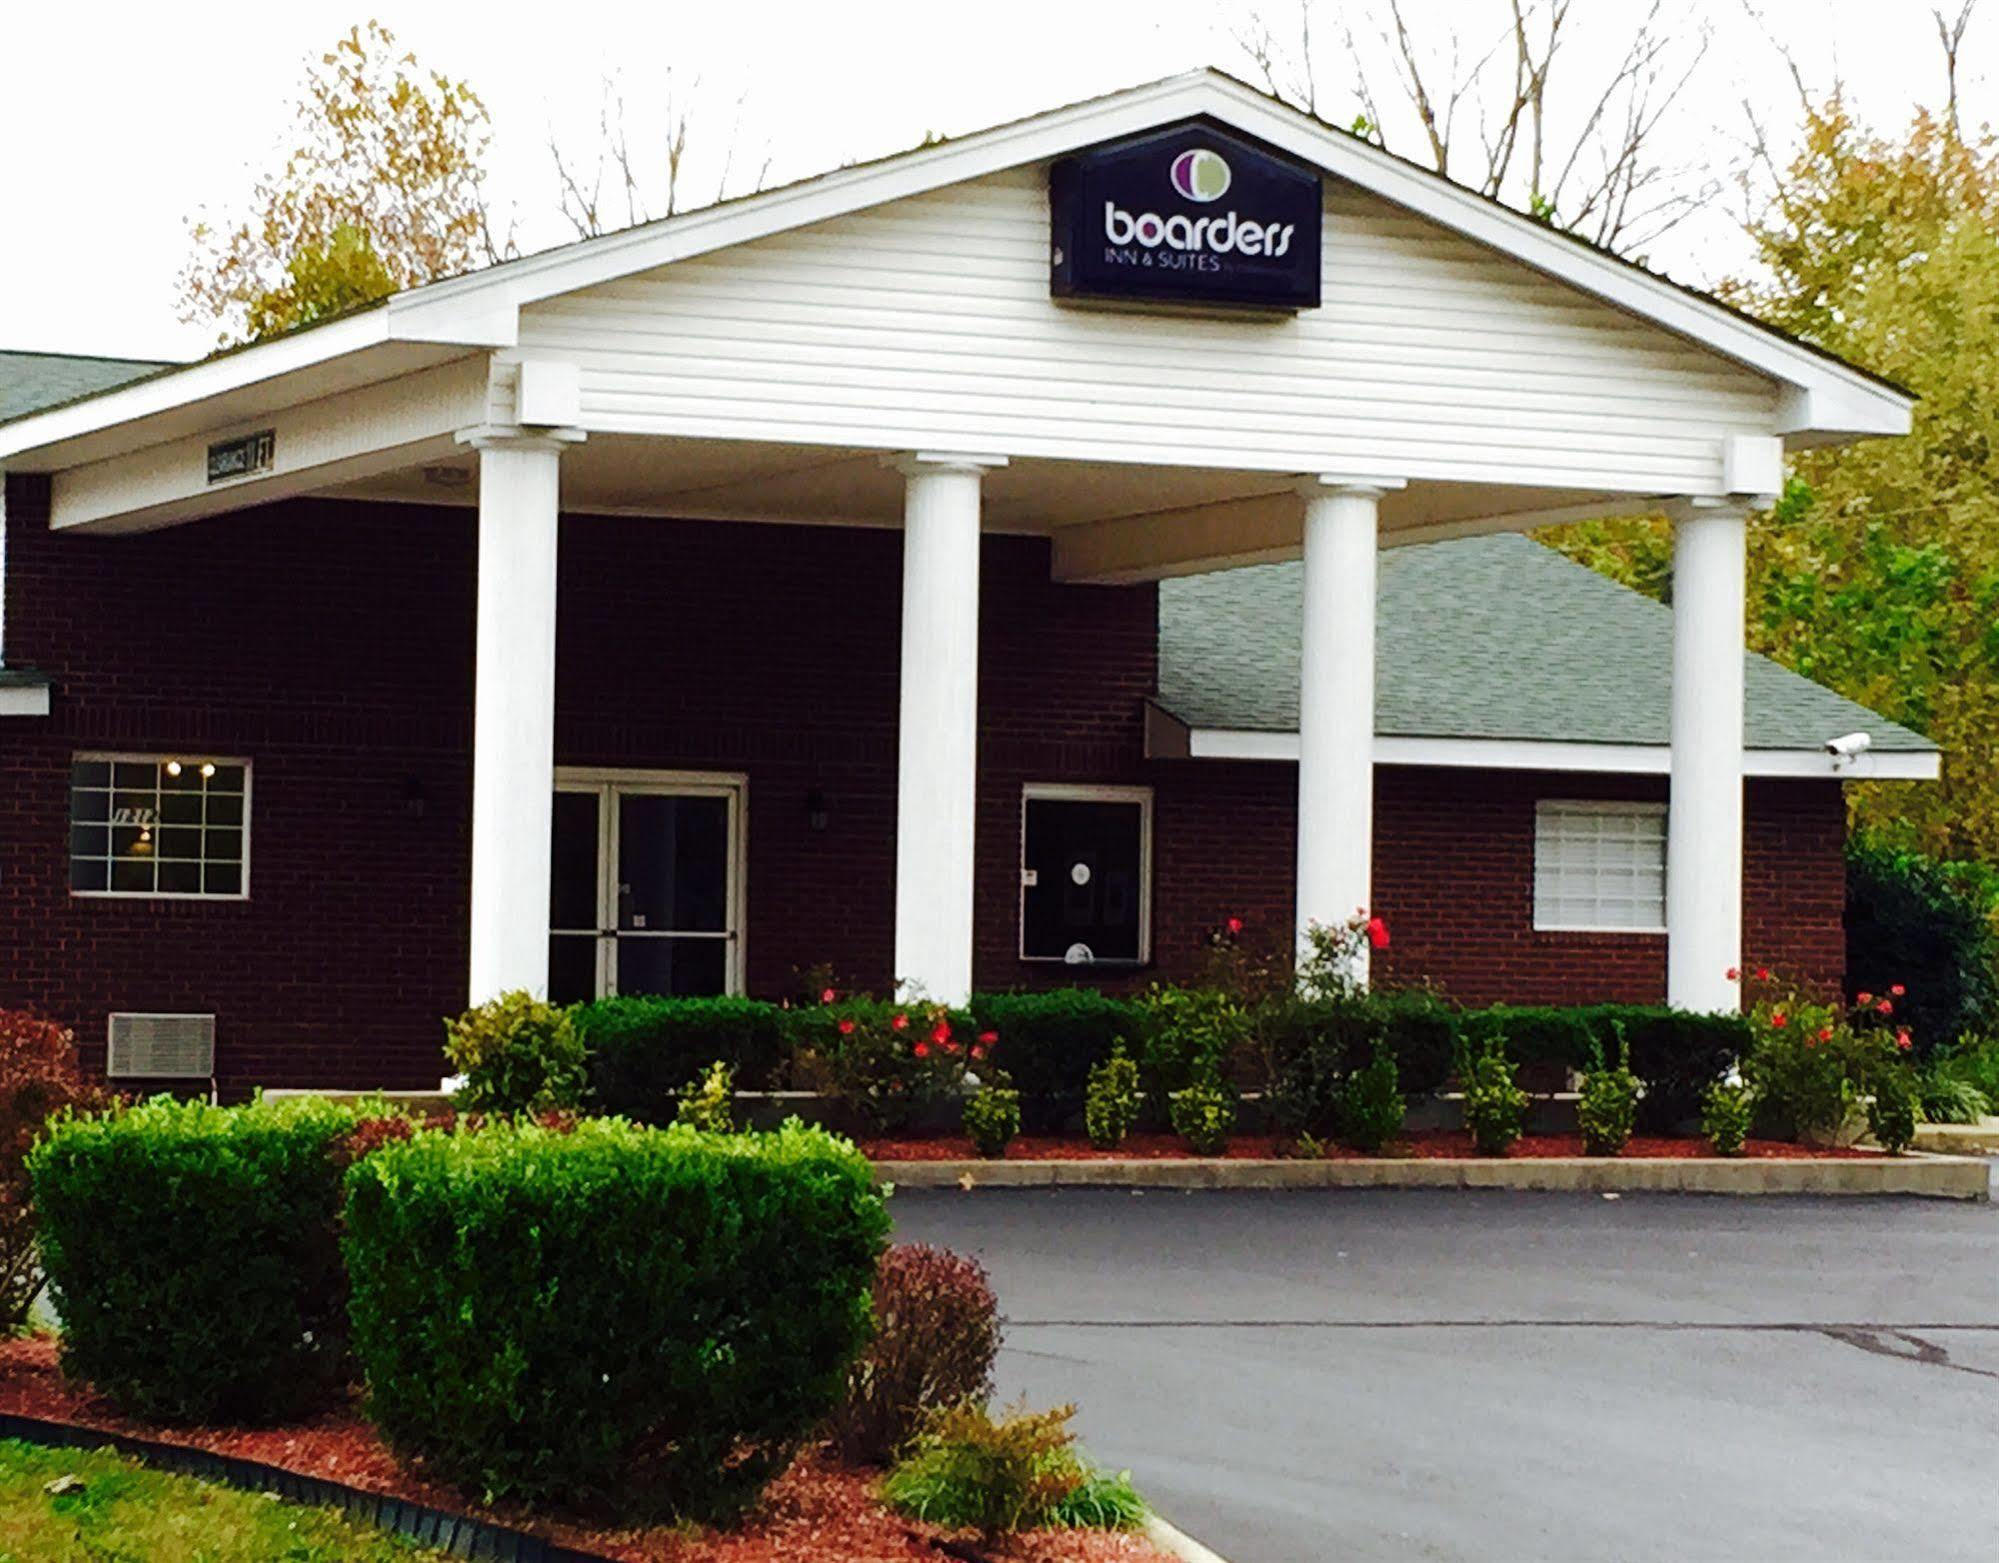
383, 190
1878, 571
1489, 107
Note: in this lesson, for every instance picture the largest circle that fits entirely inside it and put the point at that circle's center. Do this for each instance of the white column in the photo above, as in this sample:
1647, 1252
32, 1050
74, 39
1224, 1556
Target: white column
937, 749
513, 736
1336, 703
1704, 822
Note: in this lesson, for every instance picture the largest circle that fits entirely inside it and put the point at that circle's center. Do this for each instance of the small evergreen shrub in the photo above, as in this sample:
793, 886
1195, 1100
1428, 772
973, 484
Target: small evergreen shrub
1892, 1112
1050, 1041
518, 1054
1111, 1105
657, 1316
709, 1102
1371, 1104
992, 1114
192, 1251
1726, 1114
643, 1049
1192, 1035
1607, 1109
936, 1335
39, 1078
998, 1475
1495, 1106
1203, 1114
885, 1063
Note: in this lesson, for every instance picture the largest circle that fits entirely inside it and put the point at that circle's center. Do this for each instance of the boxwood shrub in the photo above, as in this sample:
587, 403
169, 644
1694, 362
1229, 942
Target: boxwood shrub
193, 1255
610, 1311
1678, 1054
1049, 1042
643, 1050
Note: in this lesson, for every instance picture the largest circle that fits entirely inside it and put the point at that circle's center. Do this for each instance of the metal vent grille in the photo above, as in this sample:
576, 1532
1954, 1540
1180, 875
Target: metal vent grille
161, 1047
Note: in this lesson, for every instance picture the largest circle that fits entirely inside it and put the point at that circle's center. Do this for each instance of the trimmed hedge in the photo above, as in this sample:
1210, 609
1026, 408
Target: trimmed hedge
1677, 1053
1050, 1041
643, 1050
647, 1314
1311, 1046
193, 1256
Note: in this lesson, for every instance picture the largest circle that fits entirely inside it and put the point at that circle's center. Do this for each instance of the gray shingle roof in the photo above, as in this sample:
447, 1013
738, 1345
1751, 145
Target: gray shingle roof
30, 381
1487, 637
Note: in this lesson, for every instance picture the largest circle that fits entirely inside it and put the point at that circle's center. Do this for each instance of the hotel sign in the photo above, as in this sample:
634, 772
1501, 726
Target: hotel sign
1186, 215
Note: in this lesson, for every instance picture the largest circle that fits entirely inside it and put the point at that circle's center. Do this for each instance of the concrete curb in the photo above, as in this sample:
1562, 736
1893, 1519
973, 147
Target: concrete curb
1167, 1538
1960, 1139
1935, 1177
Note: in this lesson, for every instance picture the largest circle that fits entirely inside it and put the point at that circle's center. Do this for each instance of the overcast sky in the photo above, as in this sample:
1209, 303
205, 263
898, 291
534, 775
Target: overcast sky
116, 124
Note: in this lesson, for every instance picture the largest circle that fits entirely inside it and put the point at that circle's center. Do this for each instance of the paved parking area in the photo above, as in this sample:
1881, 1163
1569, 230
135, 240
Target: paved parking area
1316, 1377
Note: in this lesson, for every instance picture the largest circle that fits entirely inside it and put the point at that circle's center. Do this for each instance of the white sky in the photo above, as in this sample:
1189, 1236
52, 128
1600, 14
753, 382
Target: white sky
117, 122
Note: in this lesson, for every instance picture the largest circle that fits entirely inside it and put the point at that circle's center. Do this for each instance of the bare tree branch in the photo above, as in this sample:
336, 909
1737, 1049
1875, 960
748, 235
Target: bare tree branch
1951, 36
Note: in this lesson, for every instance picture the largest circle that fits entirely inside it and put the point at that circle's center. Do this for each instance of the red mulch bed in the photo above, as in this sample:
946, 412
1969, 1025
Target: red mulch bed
1428, 1144
817, 1512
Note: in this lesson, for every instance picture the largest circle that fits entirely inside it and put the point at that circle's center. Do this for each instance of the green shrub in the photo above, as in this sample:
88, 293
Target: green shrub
1049, 1042
1192, 1035
936, 1335
1495, 1106
39, 1077
1929, 926
1112, 1102
1802, 1066
1203, 1114
1371, 1105
885, 1063
1311, 1047
642, 1050
193, 1255
1678, 1054
1726, 1114
998, 1475
709, 1102
1607, 1109
1892, 1108
559, 1316
1946, 1097
1973, 1063
992, 1114
517, 1054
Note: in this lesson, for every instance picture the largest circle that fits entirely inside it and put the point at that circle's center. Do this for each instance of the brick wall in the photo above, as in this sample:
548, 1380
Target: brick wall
331, 644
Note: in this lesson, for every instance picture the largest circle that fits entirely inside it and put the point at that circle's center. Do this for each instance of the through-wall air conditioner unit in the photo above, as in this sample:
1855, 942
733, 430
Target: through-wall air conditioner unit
161, 1047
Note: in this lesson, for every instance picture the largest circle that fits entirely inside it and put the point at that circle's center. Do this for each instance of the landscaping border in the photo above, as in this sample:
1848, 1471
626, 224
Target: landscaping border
459, 1535
1934, 1177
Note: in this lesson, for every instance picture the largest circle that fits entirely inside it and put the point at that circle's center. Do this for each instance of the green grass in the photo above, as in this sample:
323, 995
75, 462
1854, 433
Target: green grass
125, 1513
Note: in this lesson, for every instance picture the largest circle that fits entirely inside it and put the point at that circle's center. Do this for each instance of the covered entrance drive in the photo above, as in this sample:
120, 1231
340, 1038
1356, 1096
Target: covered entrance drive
646, 884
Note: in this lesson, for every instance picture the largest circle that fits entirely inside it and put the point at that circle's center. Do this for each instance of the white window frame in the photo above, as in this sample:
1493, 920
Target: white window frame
1091, 792
606, 783
1543, 807
115, 757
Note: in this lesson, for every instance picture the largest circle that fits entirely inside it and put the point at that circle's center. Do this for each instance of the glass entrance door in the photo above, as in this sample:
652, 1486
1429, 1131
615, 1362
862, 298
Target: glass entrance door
646, 890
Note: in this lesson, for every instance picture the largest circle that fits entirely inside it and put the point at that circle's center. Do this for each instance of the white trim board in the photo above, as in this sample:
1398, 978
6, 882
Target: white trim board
24, 700
1524, 754
1822, 398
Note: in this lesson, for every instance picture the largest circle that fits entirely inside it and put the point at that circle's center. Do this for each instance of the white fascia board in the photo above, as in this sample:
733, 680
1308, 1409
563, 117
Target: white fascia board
24, 700
1521, 754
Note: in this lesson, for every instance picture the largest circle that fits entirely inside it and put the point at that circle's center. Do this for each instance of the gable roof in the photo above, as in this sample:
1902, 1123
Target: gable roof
30, 382
1826, 398
1492, 637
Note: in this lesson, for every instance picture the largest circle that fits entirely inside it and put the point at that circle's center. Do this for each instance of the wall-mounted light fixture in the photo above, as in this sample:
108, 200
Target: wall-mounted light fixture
815, 810
416, 798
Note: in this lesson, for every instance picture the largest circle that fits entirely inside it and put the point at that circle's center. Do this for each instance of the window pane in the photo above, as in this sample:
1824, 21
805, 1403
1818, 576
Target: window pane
182, 808
684, 968
89, 805
1598, 866
180, 878
225, 846
572, 968
227, 778
222, 879
135, 773
572, 888
673, 863
1086, 860
179, 842
221, 808
147, 817
90, 773
133, 874
93, 874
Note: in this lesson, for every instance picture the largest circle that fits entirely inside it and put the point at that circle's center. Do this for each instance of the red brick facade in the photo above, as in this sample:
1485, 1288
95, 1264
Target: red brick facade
331, 645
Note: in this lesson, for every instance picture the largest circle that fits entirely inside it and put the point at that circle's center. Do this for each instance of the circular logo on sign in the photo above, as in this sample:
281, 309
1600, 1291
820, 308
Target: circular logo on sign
1201, 175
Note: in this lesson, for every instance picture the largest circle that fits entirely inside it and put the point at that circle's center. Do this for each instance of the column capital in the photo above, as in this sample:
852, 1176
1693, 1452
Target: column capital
1712, 507
914, 463
1318, 485
509, 436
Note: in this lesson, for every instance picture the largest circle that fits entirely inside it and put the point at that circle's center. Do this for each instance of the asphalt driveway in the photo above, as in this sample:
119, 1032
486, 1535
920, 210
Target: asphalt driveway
1313, 1378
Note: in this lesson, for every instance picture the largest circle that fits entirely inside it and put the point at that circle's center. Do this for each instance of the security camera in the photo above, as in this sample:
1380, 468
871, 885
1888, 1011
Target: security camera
1848, 749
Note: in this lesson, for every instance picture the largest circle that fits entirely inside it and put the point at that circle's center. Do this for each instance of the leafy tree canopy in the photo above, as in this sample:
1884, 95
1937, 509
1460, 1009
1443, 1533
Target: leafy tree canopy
1877, 573
382, 191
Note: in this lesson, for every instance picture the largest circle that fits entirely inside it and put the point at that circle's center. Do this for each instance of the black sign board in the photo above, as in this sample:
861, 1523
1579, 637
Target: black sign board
1186, 215
238, 458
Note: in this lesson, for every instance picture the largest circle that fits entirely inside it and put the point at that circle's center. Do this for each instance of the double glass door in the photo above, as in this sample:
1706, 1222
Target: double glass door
646, 890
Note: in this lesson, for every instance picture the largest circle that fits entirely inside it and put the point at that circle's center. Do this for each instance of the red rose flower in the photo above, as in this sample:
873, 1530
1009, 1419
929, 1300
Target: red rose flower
1235, 925
1825, 1034
989, 1037
1863, 999
942, 1032
1762, 973
1377, 933
900, 1023
1779, 1019
978, 1051
828, 996
1734, 974
1898, 990
846, 1028
1884, 1008
1904, 1041
922, 1049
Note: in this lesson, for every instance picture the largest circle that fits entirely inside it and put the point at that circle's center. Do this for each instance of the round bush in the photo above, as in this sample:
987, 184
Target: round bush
610, 1311
193, 1256
1927, 926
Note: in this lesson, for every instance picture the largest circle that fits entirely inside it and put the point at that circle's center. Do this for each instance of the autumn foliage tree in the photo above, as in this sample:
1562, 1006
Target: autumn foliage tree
382, 190
1877, 573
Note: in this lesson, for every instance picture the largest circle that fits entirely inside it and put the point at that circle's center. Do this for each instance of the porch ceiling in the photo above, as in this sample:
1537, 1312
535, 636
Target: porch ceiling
1111, 522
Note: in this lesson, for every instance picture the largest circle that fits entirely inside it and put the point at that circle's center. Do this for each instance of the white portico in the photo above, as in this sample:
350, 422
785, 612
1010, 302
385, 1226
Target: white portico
883, 347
